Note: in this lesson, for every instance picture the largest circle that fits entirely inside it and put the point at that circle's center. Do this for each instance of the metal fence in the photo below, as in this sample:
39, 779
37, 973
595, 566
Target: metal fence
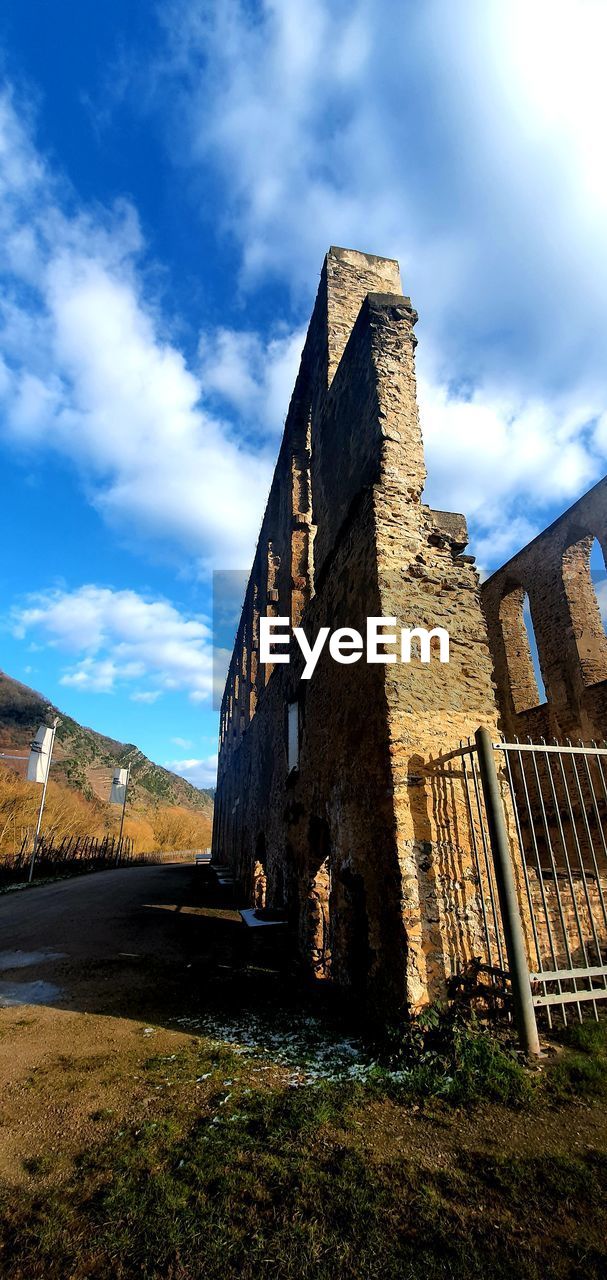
559, 796
538, 821
68, 855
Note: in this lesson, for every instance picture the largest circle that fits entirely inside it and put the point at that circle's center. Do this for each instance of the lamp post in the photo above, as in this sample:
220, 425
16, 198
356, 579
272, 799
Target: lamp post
118, 795
38, 769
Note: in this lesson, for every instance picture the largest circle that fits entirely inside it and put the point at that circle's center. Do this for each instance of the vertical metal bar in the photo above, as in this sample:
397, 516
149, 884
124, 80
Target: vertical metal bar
539, 872
555, 874
476, 855
600, 824
494, 910
583, 874
511, 919
486, 875
548, 759
42, 799
126, 789
590, 842
526, 877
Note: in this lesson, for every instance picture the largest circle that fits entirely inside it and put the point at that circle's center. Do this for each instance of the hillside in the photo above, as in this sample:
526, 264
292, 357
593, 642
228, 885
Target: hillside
85, 760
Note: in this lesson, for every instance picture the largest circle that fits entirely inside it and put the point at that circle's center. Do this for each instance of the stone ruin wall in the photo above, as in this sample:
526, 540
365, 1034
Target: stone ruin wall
553, 571
357, 844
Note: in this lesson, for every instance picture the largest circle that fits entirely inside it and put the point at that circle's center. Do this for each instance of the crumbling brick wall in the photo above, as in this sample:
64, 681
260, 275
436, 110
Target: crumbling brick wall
554, 573
564, 806
355, 844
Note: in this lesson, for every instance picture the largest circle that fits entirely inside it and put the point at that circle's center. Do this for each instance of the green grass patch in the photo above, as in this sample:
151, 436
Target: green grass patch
444, 1054
235, 1173
581, 1069
39, 1166
278, 1184
261, 1181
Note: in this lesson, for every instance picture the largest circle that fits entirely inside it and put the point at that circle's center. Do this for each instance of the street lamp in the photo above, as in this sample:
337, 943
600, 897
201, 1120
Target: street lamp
38, 769
118, 795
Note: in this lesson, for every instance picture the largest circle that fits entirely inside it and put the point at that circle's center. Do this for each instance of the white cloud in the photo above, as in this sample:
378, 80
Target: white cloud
466, 140
90, 370
201, 773
92, 676
439, 134
120, 637
503, 462
184, 743
254, 376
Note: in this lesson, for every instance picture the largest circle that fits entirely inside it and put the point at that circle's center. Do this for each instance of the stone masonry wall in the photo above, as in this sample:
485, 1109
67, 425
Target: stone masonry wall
563, 803
554, 572
356, 844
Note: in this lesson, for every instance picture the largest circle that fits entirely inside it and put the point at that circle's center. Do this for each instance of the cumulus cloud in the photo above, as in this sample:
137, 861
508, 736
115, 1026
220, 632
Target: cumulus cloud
96, 675
466, 140
118, 638
437, 133
89, 369
504, 462
201, 773
252, 375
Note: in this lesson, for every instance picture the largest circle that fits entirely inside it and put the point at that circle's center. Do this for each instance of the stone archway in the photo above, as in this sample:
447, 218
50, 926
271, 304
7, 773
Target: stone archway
317, 923
259, 877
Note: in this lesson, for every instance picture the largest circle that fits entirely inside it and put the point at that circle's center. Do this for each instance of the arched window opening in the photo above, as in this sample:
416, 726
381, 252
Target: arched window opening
522, 655
533, 649
584, 583
277, 899
259, 873
302, 533
291, 890
293, 734
254, 655
318, 896
272, 593
599, 579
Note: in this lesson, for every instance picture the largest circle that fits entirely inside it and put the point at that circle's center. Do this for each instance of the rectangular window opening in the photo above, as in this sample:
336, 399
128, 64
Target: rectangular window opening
292, 736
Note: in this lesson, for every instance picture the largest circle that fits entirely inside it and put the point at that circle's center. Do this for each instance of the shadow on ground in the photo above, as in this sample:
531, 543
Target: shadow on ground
159, 944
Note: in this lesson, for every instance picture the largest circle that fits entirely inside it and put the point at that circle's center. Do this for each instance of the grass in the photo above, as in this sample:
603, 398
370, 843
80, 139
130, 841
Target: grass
582, 1070
236, 1175
444, 1054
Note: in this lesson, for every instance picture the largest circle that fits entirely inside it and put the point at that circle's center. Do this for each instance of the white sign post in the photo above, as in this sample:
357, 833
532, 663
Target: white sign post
118, 795
38, 769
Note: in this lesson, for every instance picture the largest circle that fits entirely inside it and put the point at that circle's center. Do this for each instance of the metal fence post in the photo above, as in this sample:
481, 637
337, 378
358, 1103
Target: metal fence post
511, 917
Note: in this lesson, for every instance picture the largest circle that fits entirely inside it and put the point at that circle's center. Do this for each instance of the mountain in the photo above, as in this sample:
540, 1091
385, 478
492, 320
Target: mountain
85, 760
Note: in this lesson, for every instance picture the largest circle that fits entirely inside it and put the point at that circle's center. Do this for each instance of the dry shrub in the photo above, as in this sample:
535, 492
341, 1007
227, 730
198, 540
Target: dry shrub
68, 813
179, 828
139, 829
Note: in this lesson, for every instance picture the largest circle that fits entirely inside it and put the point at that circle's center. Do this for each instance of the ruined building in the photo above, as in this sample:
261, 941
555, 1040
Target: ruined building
544, 599
553, 574
325, 808
354, 804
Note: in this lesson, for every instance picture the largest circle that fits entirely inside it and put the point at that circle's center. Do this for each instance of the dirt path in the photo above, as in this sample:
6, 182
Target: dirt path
93, 972
100, 974
138, 1013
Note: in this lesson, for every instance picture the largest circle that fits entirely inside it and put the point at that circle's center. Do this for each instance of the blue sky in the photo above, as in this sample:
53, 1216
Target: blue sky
170, 178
